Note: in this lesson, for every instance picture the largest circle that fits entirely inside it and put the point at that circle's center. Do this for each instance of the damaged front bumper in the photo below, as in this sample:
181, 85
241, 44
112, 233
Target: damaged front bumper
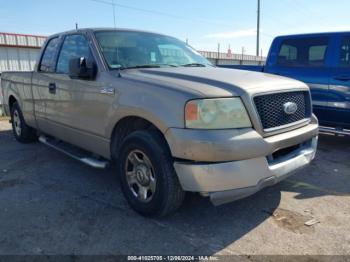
239, 179
225, 181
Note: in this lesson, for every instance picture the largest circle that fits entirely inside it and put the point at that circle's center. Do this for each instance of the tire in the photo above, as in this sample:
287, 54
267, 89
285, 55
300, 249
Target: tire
152, 168
21, 131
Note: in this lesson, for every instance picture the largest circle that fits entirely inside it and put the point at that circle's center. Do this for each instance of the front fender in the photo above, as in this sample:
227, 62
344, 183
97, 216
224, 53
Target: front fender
163, 108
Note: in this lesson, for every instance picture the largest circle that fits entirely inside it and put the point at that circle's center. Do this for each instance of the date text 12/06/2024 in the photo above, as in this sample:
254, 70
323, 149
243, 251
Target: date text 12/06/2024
173, 258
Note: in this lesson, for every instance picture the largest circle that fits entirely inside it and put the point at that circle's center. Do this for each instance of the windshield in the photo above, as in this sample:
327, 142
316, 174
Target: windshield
127, 49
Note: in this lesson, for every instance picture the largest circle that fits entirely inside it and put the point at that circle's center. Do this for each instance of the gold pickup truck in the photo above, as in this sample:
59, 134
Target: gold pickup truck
169, 120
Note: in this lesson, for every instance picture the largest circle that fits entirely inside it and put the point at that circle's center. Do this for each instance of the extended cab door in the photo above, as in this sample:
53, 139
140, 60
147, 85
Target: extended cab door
42, 80
339, 100
308, 59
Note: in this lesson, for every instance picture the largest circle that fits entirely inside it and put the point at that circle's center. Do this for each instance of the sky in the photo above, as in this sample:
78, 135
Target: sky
205, 23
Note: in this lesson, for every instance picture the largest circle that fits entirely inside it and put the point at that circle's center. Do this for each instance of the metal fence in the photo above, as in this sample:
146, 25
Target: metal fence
233, 59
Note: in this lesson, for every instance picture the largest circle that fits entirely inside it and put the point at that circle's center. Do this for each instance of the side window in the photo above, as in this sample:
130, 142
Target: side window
47, 62
317, 53
303, 52
345, 52
288, 53
74, 46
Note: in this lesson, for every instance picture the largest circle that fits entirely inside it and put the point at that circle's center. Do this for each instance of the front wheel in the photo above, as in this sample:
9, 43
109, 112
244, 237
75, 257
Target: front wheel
148, 178
22, 132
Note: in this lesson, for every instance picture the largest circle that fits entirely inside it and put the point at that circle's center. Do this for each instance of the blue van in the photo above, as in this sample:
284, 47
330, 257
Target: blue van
323, 62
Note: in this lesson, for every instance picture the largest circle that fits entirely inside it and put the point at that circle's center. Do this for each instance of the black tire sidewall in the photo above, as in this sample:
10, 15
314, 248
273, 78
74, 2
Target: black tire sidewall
27, 134
162, 164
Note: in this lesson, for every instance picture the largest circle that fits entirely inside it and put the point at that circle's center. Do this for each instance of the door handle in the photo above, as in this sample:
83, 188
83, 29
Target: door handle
342, 78
52, 88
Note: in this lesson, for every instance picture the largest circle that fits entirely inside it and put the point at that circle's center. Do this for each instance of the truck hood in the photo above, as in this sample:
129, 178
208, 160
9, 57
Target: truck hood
214, 81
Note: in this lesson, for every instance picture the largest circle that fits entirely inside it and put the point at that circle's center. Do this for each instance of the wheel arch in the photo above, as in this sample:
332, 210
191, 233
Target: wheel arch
12, 100
126, 126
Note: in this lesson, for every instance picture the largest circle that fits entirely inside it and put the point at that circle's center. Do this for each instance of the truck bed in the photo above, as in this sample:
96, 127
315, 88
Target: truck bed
19, 85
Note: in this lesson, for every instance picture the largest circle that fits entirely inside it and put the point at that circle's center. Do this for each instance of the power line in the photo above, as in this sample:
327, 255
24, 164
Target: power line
148, 11
138, 9
198, 20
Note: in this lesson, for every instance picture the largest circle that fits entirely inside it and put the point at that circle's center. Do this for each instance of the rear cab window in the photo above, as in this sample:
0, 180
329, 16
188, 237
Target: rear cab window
303, 52
47, 63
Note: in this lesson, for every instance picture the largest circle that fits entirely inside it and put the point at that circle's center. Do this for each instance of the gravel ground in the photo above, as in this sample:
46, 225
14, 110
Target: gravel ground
51, 204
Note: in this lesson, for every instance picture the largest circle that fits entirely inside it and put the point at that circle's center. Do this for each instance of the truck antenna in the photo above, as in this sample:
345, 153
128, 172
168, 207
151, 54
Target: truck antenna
258, 30
114, 18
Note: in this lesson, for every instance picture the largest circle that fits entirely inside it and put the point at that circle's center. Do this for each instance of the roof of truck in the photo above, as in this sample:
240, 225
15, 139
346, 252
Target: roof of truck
83, 30
316, 34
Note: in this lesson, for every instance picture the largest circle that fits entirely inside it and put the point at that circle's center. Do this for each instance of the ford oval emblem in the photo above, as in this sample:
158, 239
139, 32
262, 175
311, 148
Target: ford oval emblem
290, 108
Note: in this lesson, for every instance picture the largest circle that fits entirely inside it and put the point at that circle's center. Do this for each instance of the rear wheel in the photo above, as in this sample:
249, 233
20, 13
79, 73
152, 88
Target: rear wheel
148, 178
22, 132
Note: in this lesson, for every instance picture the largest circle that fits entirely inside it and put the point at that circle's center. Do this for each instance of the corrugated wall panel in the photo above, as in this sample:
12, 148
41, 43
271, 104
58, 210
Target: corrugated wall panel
10, 40
18, 59
33, 57
13, 59
32, 41
21, 40
41, 41
3, 60
24, 61
2, 39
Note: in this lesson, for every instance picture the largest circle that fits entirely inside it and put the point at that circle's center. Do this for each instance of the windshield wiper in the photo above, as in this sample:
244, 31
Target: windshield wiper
194, 65
141, 66
148, 66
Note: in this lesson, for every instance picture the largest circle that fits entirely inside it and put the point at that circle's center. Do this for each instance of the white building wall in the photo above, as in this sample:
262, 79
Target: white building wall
17, 59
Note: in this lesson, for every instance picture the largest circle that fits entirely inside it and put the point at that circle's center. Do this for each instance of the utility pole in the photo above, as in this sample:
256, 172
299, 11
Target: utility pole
258, 31
217, 61
242, 58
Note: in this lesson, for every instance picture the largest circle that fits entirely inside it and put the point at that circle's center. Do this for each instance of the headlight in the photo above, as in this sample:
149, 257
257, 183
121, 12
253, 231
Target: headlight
218, 113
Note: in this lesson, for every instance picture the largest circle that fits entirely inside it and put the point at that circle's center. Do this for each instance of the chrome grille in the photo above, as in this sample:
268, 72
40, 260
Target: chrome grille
271, 108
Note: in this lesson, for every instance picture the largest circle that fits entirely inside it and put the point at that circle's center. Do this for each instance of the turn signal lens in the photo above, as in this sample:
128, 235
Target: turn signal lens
192, 113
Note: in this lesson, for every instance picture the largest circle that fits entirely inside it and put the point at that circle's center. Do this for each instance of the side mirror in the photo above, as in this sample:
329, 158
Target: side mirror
82, 68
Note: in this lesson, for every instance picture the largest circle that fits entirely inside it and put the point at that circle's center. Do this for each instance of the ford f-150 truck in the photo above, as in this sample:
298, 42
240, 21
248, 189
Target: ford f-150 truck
323, 62
168, 119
